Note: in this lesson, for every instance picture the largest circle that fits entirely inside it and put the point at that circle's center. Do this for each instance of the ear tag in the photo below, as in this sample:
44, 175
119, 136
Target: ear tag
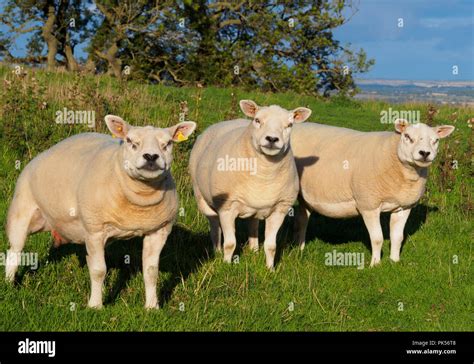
181, 137
119, 128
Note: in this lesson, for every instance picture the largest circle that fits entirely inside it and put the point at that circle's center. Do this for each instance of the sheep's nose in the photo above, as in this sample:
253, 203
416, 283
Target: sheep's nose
271, 139
424, 154
150, 157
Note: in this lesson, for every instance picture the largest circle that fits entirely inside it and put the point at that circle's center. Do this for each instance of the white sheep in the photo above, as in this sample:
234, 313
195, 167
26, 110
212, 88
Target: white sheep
245, 168
344, 173
91, 188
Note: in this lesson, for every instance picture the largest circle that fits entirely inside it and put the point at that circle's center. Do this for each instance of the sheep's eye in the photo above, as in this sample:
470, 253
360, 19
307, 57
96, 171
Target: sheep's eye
289, 125
133, 145
435, 141
257, 121
166, 145
408, 138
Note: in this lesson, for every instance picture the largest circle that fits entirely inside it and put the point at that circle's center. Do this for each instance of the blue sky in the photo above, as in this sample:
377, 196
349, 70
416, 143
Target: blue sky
436, 36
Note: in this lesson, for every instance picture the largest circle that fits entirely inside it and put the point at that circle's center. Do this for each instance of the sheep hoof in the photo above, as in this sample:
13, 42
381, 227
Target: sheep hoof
374, 262
95, 306
10, 276
253, 248
152, 307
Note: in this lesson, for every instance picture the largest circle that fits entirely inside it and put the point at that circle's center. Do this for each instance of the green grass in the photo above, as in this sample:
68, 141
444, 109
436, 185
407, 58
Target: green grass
197, 290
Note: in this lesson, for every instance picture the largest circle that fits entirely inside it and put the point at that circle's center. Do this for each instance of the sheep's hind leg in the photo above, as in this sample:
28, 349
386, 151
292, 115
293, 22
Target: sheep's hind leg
24, 218
216, 231
227, 221
253, 234
301, 224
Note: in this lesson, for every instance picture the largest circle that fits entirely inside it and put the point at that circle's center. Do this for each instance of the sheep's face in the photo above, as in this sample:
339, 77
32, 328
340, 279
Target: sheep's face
419, 143
147, 151
271, 126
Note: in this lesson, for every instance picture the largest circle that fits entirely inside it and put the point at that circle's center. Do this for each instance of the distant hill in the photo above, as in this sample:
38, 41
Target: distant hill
433, 83
440, 92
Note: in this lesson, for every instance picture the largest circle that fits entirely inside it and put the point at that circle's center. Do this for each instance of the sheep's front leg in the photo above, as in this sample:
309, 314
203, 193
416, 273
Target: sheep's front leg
272, 225
253, 234
95, 246
227, 220
397, 225
372, 222
152, 246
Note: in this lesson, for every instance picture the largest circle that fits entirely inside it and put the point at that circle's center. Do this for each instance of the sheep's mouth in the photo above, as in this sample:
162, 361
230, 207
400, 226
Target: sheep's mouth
151, 167
270, 149
423, 162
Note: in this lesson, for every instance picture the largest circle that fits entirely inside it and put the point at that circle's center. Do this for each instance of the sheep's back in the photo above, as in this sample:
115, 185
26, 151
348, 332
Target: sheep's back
329, 159
208, 147
55, 175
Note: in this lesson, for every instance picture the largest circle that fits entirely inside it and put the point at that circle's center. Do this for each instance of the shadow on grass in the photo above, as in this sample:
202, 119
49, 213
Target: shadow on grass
185, 251
183, 254
342, 231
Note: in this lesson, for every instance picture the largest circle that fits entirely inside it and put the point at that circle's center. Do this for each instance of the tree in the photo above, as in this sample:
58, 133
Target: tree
128, 30
275, 45
60, 25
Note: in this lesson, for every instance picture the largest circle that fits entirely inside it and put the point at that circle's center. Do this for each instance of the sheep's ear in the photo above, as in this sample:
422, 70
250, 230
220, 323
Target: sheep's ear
443, 130
249, 108
300, 114
180, 132
401, 125
117, 126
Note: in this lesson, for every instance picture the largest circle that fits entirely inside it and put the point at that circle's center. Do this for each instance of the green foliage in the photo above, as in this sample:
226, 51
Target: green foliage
63, 24
272, 45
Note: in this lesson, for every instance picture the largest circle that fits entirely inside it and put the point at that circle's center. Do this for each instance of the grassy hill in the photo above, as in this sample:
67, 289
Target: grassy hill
432, 288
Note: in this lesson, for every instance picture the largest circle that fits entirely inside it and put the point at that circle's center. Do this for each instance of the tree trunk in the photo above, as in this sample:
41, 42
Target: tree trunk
50, 39
72, 64
114, 63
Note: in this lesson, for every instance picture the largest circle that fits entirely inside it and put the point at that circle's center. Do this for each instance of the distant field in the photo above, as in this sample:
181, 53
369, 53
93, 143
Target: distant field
461, 93
432, 288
